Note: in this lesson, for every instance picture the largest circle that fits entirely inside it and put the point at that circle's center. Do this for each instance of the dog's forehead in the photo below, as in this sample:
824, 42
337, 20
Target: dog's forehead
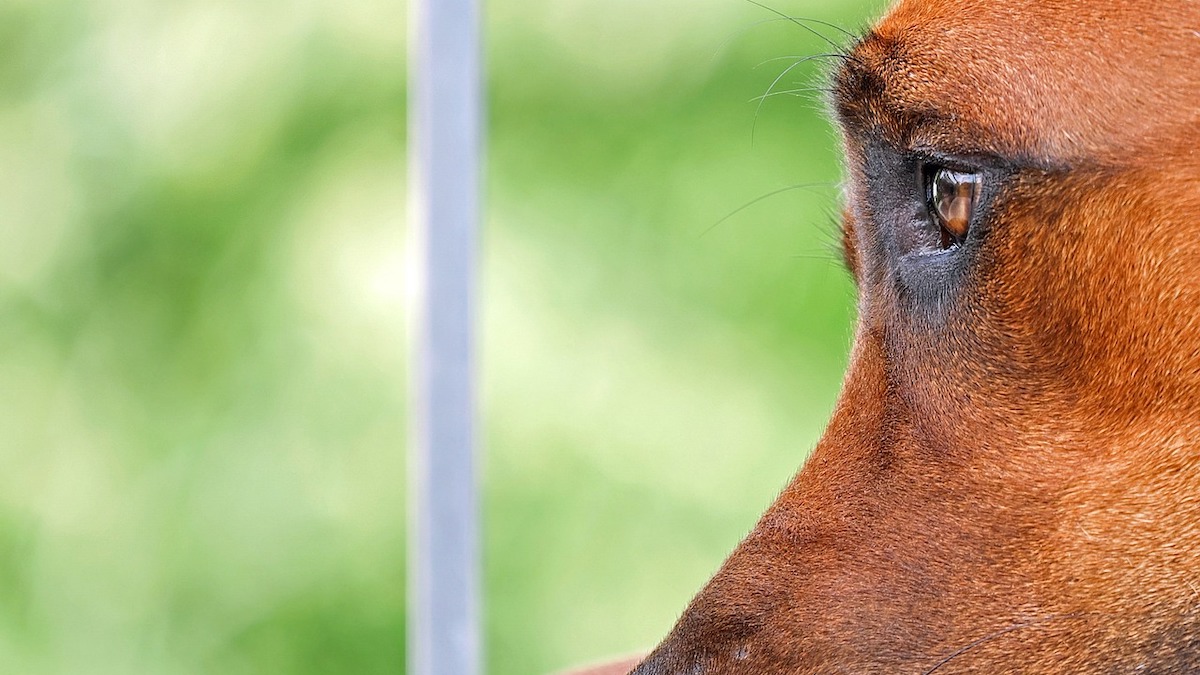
1049, 80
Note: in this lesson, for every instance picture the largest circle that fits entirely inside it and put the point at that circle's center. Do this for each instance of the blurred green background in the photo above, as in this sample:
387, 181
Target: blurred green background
203, 273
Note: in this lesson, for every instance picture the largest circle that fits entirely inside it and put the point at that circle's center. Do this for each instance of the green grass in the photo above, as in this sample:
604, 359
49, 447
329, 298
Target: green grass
202, 324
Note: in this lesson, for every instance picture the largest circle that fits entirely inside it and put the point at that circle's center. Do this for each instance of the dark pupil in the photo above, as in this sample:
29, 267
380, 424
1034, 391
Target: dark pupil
953, 195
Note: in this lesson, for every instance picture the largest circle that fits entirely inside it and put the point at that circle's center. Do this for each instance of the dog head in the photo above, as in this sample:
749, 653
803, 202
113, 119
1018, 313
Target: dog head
1011, 478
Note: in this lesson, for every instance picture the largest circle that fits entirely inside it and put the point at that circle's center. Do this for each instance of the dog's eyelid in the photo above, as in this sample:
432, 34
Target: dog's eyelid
962, 162
995, 164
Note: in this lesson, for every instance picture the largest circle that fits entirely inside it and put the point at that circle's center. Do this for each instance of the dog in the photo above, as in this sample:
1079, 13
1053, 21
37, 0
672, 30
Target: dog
1010, 481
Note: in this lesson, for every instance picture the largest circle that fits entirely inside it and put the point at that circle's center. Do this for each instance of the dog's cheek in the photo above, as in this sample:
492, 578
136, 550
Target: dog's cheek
850, 244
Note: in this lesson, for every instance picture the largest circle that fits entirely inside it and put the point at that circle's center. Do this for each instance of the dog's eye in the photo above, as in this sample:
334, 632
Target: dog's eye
952, 198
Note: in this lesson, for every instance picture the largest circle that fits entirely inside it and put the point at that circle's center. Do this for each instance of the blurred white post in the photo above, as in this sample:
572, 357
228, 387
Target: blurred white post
445, 140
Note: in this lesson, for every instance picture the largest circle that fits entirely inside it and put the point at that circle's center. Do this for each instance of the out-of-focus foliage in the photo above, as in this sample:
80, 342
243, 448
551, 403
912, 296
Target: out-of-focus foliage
201, 367
654, 377
202, 313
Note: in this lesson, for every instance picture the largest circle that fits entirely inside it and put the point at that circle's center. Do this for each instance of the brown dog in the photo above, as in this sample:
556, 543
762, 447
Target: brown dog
1011, 480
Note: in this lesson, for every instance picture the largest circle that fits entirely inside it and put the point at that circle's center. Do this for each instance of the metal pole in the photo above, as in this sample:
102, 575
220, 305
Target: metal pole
445, 140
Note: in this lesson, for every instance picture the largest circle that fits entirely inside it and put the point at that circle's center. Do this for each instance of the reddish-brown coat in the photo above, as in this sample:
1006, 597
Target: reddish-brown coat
1014, 485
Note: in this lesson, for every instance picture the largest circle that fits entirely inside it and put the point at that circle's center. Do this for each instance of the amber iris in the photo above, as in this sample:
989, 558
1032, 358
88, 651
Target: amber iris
953, 195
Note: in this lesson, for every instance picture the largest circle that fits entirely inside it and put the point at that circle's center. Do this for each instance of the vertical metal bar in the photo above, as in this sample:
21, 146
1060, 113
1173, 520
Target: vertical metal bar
445, 140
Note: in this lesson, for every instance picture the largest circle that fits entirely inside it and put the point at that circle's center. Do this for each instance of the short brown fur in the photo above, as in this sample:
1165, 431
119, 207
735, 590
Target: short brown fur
1012, 485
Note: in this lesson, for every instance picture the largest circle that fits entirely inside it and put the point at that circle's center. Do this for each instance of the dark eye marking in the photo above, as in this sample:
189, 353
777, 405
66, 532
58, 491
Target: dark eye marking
927, 215
947, 202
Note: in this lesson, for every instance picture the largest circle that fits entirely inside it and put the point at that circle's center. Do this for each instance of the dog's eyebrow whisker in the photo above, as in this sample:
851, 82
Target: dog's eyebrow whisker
799, 186
742, 32
798, 56
791, 92
848, 33
762, 99
801, 23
